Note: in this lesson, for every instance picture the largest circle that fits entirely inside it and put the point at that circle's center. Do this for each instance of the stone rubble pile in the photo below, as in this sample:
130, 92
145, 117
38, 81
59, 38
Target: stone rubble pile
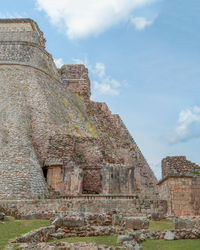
129, 242
175, 234
87, 225
187, 222
157, 216
135, 223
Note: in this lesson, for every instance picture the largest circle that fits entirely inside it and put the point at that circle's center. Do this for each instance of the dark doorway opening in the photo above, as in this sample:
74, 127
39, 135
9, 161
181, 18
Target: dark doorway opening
45, 173
52, 175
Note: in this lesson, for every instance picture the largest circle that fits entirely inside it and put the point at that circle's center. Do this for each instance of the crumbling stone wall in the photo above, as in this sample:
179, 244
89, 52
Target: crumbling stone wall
120, 148
180, 186
179, 166
76, 79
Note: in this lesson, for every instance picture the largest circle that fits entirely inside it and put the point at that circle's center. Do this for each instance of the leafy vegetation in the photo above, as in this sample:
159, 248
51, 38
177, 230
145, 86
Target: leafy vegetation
195, 172
14, 228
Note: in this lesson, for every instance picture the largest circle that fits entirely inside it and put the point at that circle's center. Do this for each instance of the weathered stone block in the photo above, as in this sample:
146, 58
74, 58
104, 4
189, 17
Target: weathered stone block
183, 223
57, 222
117, 220
58, 235
122, 238
136, 223
2, 216
169, 235
156, 216
73, 222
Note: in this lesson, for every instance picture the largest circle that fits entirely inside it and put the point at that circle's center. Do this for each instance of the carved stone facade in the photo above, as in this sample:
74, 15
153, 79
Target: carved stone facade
180, 186
51, 134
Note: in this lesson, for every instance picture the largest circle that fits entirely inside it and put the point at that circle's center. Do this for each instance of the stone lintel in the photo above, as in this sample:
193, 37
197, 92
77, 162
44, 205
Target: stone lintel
53, 162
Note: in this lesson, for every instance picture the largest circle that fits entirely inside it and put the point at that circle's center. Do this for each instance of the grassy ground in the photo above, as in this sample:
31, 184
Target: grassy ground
171, 245
99, 240
161, 225
168, 245
13, 228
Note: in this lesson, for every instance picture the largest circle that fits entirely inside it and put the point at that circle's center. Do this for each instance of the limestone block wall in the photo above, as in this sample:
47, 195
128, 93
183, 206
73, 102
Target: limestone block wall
14, 25
27, 54
33, 109
21, 30
20, 36
72, 180
182, 195
118, 179
20, 170
50, 208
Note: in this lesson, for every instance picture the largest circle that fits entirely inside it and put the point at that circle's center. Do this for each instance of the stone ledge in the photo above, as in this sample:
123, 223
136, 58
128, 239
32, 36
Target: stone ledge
174, 176
50, 208
101, 196
29, 66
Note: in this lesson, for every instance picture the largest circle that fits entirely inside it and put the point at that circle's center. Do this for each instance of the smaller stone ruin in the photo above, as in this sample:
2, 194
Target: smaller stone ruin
180, 186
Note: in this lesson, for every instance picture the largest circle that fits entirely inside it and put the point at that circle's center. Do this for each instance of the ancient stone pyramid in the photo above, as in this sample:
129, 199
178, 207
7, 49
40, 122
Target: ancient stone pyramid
52, 135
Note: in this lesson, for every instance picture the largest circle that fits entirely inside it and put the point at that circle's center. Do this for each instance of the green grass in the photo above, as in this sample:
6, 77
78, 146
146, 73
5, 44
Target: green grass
112, 240
161, 225
14, 228
171, 245
168, 245
99, 240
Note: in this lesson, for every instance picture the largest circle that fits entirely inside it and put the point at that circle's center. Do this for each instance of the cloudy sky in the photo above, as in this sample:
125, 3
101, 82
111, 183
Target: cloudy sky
144, 62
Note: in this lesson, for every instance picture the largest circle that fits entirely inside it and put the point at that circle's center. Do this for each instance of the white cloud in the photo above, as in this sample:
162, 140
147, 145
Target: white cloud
107, 86
80, 61
59, 62
102, 83
100, 69
81, 18
188, 126
156, 167
12, 15
141, 23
